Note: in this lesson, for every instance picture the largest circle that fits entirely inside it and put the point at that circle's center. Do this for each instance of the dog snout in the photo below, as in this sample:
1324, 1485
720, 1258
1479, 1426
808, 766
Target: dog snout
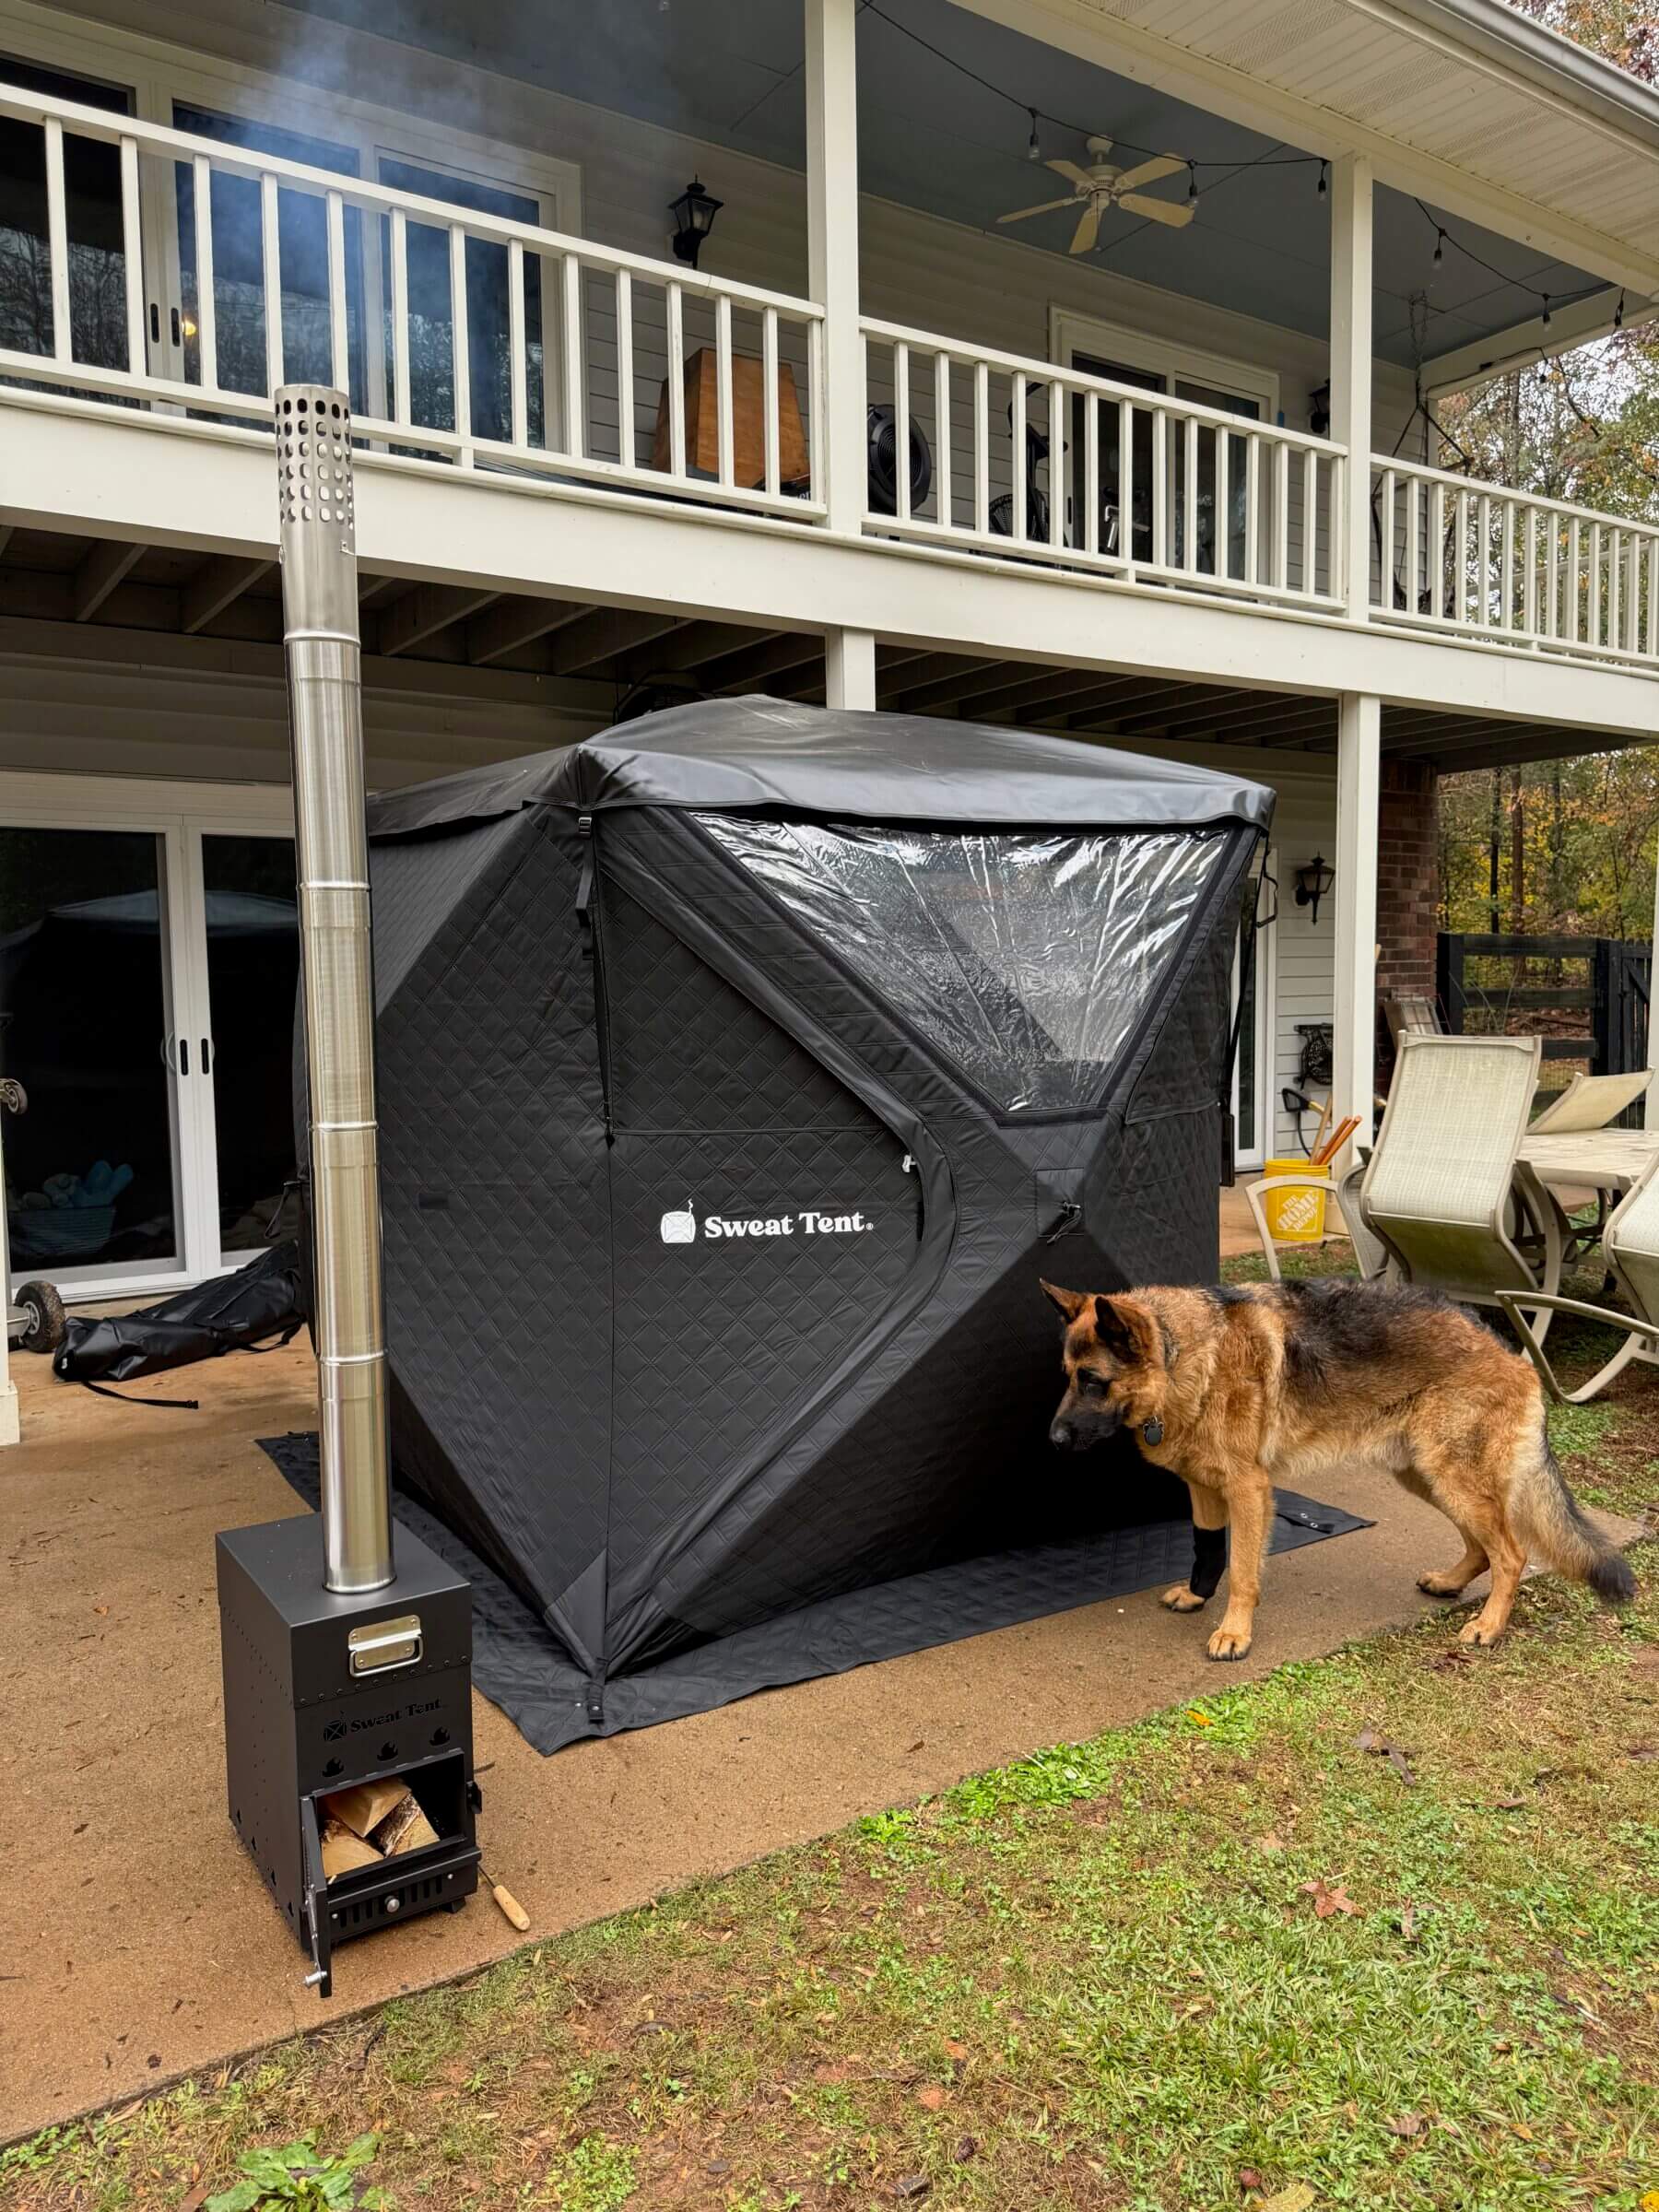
1062, 1435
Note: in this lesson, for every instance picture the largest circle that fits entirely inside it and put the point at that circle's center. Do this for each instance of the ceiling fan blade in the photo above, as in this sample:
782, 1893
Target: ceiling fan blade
1178, 215
1161, 165
1070, 168
1088, 229
1047, 207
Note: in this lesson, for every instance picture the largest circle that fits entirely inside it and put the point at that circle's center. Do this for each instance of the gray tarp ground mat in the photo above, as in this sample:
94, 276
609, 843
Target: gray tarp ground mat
740, 1072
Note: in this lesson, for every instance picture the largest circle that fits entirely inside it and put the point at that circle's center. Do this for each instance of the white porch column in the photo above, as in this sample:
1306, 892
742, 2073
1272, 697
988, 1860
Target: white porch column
850, 668
1351, 374
832, 248
1354, 995
1649, 1110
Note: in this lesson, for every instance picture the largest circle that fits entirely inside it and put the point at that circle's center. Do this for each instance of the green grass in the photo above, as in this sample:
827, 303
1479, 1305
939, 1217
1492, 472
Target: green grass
1096, 1978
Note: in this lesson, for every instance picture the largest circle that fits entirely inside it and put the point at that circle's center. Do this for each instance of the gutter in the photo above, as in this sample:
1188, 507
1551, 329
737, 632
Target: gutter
1542, 58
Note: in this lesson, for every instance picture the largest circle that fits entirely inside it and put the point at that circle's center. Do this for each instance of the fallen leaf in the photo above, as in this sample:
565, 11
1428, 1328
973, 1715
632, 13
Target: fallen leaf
1250, 2179
1641, 1751
956, 2050
912, 2186
1199, 1720
963, 2148
1650, 2202
1272, 1841
195, 2200
1508, 1804
1406, 2125
1378, 1744
840, 2071
931, 2098
1296, 2198
1408, 1921
1329, 1898
101, 1610
1368, 1741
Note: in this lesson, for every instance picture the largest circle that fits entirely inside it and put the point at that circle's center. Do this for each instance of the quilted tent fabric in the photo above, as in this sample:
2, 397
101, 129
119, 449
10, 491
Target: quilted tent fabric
712, 1273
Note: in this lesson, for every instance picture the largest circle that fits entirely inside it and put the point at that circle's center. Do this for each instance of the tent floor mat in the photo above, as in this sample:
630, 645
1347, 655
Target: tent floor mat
519, 1666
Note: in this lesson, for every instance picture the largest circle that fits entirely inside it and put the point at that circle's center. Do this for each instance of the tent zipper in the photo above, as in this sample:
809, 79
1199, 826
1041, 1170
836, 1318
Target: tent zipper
588, 916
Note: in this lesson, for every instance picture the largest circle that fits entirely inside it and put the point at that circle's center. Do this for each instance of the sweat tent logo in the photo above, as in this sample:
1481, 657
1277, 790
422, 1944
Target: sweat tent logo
681, 1226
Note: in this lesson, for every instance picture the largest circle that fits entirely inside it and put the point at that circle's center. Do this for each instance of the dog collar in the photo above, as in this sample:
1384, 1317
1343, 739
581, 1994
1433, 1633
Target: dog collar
1153, 1431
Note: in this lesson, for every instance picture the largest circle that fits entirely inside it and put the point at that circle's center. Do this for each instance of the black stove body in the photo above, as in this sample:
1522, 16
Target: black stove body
323, 1690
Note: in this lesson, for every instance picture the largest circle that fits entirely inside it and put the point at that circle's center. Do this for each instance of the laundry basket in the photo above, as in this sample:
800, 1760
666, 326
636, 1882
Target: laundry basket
1296, 1215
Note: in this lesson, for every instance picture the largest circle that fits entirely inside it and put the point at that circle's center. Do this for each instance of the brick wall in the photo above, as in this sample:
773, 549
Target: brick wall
1407, 887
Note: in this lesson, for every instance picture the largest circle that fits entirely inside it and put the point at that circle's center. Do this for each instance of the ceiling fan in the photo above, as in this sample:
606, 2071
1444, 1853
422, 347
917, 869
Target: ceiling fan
1103, 186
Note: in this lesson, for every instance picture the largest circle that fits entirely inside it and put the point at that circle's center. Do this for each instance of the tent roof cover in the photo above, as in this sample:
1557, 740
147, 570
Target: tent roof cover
761, 752
741, 1072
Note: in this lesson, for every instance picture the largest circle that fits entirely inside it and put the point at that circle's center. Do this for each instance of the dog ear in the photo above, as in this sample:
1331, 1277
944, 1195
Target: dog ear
1125, 1328
1069, 1302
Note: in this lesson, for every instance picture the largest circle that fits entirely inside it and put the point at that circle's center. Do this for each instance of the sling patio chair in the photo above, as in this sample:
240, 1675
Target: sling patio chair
1445, 1192
1631, 1244
1589, 1102
1371, 1255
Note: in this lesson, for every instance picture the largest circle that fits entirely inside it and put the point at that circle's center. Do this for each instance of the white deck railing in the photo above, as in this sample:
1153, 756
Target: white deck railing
1143, 478
445, 362
1472, 559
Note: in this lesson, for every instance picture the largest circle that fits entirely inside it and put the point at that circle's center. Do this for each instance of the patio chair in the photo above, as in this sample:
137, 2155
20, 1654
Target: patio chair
1631, 1244
1589, 1102
1371, 1255
1444, 1193
1406, 1013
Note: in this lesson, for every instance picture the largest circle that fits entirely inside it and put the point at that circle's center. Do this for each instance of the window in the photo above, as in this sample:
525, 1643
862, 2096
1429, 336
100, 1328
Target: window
1026, 957
1149, 365
92, 214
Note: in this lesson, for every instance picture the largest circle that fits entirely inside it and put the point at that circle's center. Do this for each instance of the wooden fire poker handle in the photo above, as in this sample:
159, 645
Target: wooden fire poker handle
509, 1903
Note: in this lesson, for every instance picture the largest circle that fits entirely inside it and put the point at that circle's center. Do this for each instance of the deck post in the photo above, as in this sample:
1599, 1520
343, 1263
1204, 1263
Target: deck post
1351, 378
1354, 995
850, 668
833, 252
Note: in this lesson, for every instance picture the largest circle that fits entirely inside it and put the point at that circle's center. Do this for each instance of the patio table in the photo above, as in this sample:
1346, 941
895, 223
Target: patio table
1596, 1159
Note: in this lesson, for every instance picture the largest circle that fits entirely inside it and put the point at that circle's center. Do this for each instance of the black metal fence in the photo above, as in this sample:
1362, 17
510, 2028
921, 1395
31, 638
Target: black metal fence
1587, 997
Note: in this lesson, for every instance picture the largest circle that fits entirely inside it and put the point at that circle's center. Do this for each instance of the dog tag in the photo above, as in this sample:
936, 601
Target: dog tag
1153, 1431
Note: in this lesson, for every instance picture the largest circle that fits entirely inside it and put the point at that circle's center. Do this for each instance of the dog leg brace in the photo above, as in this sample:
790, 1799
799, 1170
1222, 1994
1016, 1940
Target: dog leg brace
1209, 1558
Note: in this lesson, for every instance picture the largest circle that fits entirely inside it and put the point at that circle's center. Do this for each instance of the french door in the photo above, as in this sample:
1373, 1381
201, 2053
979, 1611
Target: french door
148, 966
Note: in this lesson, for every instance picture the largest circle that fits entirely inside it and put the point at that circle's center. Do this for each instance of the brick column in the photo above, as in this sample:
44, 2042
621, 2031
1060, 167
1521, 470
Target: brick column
1408, 884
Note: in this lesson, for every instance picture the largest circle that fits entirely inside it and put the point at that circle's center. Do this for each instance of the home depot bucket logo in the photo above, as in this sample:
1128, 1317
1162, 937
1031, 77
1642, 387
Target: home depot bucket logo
683, 1226
1297, 1211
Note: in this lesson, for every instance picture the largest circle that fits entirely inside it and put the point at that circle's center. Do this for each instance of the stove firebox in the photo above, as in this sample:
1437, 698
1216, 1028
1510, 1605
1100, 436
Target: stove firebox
325, 1690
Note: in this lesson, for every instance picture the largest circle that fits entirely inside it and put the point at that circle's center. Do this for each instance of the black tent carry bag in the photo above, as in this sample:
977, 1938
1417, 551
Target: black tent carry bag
228, 1313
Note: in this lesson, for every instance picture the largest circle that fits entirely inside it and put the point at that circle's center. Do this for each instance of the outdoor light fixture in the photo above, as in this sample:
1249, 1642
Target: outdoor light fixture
1318, 410
693, 214
1313, 881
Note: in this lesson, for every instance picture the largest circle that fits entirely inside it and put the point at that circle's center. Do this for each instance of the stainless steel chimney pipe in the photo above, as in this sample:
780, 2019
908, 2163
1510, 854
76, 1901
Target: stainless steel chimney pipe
323, 651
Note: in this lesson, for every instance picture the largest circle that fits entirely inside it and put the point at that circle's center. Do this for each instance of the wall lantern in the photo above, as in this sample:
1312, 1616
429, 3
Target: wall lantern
1318, 411
693, 214
1313, 881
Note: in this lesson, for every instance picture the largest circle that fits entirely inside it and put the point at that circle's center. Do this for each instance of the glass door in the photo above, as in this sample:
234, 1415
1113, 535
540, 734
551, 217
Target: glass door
94, 1168
251, 974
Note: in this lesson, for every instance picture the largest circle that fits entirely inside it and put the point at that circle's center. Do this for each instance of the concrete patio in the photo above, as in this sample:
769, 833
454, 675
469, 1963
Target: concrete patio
139, 1945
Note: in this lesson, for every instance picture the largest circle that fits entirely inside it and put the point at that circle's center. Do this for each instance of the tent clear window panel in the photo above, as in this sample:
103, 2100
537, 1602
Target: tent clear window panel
1026, 957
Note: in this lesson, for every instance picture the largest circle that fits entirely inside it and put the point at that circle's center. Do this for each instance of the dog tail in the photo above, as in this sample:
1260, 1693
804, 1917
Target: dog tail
1557, 1529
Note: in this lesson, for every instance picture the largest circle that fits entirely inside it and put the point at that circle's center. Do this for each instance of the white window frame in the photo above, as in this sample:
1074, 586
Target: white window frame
1071, 333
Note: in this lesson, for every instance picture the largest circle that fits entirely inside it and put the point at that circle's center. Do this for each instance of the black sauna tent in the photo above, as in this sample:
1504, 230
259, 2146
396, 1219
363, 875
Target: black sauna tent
741, 1071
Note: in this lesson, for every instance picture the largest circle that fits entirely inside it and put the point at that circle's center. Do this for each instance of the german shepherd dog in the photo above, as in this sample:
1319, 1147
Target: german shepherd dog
1234, 1390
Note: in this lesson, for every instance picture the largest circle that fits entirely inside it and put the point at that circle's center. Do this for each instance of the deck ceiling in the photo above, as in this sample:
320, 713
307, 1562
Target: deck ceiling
730, 73
67, 590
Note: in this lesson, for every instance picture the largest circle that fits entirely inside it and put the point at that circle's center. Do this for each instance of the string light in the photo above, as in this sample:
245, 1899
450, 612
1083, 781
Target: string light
1618, 311
1439, 247
1546, 298
1324, 178
1034, 144
1192, 185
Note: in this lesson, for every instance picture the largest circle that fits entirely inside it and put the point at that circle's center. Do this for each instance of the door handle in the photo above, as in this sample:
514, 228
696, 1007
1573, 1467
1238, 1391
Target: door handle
182, 1063
206, 1063
176, 339
155, 325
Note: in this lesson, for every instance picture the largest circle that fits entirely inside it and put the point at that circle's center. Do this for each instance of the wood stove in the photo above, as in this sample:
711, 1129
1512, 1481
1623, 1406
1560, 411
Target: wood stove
342, 1669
